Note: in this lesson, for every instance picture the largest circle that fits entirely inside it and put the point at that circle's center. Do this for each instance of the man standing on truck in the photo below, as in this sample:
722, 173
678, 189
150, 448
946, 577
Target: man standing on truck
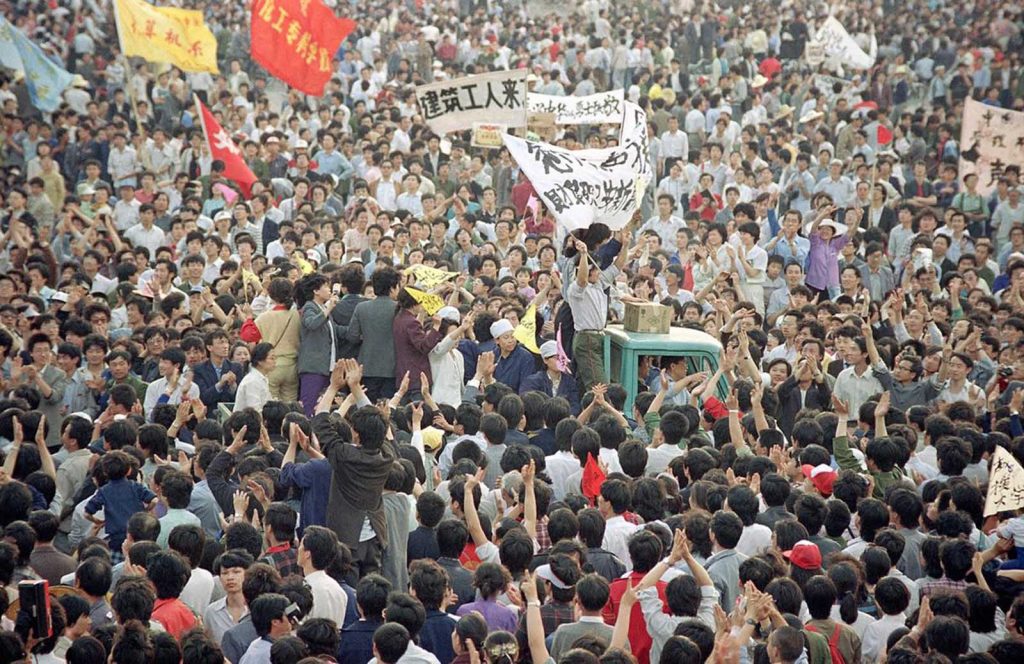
588, 298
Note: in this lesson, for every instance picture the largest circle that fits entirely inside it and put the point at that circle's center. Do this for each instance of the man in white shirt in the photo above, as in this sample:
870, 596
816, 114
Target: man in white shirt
665, 224
612, 503
410, 198
145, 233
317, 550
675, 145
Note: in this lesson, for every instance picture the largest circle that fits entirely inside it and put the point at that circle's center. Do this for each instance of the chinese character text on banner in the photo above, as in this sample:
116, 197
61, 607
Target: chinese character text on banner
582, 187
601, 108
991, 138
296, 41
166, 34
497, 98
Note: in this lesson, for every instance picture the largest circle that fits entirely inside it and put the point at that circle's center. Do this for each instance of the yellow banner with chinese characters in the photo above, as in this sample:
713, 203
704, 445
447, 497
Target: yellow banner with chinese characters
428, 277
526, 332
431, 303
166, 34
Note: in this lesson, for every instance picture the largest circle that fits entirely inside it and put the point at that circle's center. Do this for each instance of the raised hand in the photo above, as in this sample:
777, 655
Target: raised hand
338, 375
840, 406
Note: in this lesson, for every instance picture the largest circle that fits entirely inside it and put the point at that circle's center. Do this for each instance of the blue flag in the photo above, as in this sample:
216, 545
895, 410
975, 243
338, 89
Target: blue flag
45, 79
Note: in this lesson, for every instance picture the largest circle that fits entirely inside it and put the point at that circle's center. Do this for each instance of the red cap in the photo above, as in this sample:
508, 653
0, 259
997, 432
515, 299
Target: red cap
804, 555
821, 476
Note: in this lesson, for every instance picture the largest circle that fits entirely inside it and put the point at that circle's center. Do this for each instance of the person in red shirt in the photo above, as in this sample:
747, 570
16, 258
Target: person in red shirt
704, 201
645, 550
169, 572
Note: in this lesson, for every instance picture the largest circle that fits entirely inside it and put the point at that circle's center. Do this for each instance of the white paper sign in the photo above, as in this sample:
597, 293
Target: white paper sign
839, 47
991, 139
601, 108
1005, 484
583, 187
496, 97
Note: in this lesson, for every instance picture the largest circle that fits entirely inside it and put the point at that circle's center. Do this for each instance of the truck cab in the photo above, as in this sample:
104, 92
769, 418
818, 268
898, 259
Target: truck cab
623, 350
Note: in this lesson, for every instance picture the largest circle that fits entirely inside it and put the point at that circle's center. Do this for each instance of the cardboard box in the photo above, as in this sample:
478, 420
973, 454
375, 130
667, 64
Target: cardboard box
647, 318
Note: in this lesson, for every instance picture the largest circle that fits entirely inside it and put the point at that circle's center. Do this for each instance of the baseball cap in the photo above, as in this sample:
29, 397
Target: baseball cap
59, 296
500, 327
432, 438
805, 555
548, 349
545, 572
821, 476
449, 313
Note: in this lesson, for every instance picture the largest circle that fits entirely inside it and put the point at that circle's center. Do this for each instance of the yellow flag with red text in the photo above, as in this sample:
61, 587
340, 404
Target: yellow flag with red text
166, 34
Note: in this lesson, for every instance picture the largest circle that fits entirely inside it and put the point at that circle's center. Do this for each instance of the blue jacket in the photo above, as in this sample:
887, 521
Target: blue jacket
567, 388
205, 378
514, 369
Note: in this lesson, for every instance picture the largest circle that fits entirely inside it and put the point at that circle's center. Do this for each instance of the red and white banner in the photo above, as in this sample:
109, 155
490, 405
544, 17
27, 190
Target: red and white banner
224, 149
295, 40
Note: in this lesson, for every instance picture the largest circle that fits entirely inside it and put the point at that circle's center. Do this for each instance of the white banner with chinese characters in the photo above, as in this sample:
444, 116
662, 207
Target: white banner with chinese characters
1005, 484
496, 98
839, 48
583, 187
991, 138
602, 108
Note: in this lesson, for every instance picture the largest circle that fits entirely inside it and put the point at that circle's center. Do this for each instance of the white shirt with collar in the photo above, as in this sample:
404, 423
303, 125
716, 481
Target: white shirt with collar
329, 600
617, 532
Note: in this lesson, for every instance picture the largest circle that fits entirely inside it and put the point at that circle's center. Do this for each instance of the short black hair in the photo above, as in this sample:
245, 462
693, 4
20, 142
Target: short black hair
727, 529
133, 599
190, 541
390, 642
592, 591
94, 576
892, 596
169, 572
322, 545
372, 595
430, 509
452, 535
265, 609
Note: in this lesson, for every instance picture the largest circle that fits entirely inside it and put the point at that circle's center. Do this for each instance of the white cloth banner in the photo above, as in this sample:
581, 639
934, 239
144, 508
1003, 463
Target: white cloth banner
991, 138
583, 187
1005, 484
839, 47
496, 98
601, 108
543, 8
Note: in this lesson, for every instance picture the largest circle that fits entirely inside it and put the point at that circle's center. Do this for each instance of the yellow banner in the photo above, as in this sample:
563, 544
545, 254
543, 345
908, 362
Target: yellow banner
526, 332
431, 303
428, 277
166, 34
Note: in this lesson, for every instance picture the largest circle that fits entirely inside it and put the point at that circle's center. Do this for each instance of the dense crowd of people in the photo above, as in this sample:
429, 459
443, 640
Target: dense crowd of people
359, 412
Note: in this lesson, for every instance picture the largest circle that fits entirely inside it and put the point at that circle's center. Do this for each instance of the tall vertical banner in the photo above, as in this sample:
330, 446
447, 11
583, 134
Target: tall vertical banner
838, 47
495, 98
991, 138
1005, 484
583, 187
295, 40
166, 34
224, 149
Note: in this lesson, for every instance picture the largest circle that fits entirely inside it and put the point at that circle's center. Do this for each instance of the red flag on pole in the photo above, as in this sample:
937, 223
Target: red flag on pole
295, 40
224, 149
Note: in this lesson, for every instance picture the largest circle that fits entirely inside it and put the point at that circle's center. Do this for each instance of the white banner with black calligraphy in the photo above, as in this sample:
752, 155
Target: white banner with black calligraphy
991, 138
601, 108
582, 187
496, 98
839, 47
1005, 484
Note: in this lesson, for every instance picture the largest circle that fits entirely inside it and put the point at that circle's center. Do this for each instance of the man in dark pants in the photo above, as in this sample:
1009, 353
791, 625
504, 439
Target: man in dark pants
371, 324
351, 279
360, 469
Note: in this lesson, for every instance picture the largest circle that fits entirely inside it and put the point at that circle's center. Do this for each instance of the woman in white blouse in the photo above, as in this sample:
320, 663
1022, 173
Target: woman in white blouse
446, 362
254, 390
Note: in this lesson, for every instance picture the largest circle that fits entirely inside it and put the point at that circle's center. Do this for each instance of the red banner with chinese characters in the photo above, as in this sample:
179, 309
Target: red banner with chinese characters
224, 149
295, 40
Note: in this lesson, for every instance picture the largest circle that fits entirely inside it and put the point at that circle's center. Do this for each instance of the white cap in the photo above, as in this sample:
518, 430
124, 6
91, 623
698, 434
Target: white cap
500, 327
545, 572
450, 313
59, 296
548, 349
223, 214
301, 145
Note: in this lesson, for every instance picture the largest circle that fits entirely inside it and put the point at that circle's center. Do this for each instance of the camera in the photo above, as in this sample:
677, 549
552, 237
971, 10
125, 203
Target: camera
1005, 372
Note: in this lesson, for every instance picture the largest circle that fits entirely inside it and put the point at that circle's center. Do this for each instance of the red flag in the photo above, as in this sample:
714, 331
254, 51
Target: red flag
224, 149
884, 135
296, 41
593, 478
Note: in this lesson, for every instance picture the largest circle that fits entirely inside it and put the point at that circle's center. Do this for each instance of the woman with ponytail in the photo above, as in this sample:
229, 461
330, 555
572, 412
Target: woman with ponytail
469, 634
851, 594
